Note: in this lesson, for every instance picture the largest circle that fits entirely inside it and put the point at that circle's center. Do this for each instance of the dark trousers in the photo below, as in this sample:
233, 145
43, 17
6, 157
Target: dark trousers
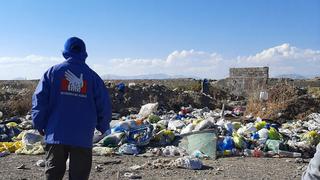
79, 165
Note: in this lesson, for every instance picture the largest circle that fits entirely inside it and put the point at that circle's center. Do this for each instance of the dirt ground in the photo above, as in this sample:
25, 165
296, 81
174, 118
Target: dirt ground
223, 168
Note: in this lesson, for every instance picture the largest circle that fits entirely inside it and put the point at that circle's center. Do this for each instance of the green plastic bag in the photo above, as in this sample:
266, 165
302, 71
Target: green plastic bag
260, 125
274, 134
239, 141
273, 145
154, 118
312, 137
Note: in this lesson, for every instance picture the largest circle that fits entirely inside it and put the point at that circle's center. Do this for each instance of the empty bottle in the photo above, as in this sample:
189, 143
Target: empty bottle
289, 154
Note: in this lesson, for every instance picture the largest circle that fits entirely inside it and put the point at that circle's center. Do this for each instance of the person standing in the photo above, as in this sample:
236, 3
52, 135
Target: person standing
69, 102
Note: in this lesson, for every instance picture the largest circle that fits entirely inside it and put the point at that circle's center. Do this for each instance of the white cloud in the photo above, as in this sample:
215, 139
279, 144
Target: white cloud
285, 59
30, 67
282, 59
190, 63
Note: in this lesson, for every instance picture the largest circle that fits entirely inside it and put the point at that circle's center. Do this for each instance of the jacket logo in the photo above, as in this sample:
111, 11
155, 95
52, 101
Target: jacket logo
72, 83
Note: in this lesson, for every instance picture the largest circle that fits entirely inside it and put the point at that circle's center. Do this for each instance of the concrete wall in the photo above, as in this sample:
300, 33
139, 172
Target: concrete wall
243, 81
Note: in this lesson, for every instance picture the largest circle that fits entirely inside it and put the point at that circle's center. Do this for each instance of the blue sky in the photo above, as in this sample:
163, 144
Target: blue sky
148, 32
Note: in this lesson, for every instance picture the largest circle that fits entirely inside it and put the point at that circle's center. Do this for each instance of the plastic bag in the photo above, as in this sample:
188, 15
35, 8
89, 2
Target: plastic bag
263, 133
164, 137
112, 140
31, 137
148, 109
274, 145
259, 125
140, 136
188, 129
130, 149
10, 146
205, 124
102, 151
154, 118
239, 141
176, 125
189, 163
226, 144
311, 137
123, 126
274, 134
31, 149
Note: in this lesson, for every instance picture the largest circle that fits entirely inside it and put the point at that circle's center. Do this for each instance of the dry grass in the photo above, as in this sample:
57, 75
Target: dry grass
314, 91
279, 95
18, 103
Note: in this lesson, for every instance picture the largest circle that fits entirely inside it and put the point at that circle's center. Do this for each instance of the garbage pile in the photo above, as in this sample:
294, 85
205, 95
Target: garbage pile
155, 134
17, 136
189, 135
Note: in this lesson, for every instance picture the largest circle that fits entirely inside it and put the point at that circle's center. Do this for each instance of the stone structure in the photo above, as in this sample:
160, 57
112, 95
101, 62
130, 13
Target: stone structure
243, 81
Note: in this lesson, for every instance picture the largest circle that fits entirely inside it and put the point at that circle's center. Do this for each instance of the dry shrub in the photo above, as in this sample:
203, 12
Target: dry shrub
22, 106
278, 101
18, 102
314, 91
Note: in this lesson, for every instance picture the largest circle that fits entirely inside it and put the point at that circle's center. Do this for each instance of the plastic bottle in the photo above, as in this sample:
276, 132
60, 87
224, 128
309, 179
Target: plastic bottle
289, 154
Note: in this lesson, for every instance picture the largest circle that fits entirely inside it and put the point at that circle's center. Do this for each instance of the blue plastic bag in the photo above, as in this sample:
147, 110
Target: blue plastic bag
226, 144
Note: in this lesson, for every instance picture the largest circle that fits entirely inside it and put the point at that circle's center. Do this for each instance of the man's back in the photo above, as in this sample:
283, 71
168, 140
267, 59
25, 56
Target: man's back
70, 102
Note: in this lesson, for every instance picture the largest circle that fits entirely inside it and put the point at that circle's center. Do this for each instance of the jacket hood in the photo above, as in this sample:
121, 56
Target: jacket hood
75, 50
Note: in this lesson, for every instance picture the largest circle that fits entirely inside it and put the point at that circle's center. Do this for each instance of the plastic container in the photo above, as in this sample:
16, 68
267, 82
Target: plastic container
205, 142
289, 154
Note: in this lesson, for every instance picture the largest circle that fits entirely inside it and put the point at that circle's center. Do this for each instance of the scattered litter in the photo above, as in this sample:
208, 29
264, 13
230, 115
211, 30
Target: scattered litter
40, 163
98, 168
132, 175
130, 149
22, 166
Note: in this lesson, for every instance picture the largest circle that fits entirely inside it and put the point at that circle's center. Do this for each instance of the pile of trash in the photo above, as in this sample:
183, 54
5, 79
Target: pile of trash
189, 135
17, 136
154, 134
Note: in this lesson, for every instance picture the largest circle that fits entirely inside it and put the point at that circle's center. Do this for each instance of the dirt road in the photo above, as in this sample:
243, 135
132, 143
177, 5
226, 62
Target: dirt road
117, 166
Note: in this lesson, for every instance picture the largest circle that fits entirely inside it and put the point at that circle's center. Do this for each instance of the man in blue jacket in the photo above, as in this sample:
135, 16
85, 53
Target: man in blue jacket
69, 102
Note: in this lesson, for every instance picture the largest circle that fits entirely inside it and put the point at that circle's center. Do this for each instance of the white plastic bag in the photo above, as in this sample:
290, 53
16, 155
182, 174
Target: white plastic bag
189, 163
175, 125
148, 109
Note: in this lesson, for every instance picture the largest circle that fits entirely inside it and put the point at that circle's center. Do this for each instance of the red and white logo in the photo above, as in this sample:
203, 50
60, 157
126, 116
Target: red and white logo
72, 83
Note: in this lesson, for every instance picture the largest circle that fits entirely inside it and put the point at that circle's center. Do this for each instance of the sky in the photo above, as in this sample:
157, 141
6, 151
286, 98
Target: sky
195, 38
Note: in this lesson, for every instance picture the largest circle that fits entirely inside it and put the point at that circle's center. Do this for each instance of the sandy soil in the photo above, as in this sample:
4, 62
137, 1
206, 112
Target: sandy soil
223, 168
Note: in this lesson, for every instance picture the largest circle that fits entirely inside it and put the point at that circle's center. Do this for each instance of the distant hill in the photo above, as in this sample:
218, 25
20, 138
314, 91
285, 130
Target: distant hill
145, 76
291, 76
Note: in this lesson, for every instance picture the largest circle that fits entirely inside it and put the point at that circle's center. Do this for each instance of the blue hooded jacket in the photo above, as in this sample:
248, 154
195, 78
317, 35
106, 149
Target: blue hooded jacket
71, 100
